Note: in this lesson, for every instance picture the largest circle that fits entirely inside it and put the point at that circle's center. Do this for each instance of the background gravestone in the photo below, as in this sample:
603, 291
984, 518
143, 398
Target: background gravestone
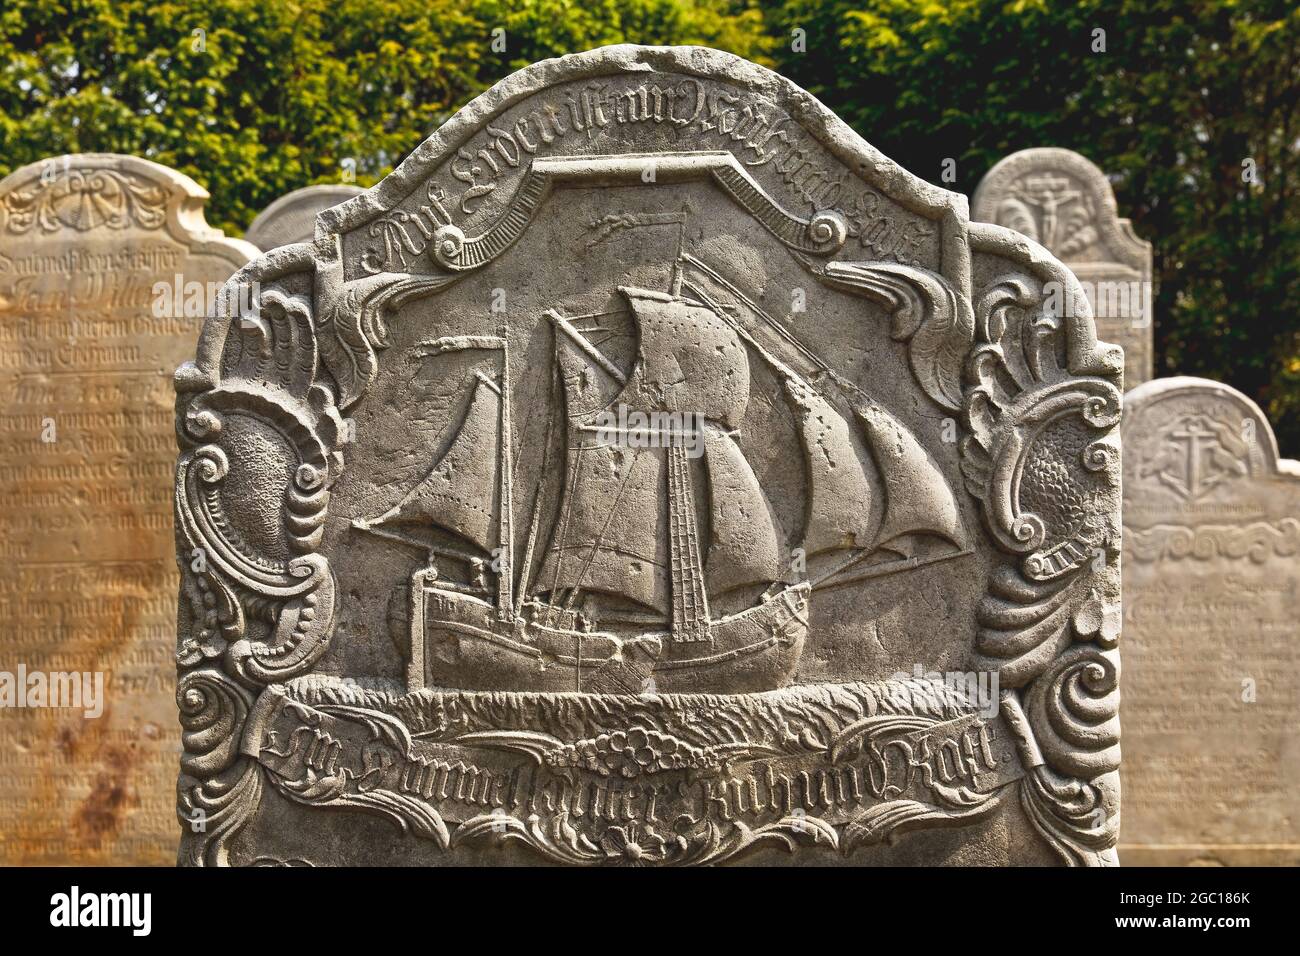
650, 471
1212, 637
292, 217
1059, 199
88, 579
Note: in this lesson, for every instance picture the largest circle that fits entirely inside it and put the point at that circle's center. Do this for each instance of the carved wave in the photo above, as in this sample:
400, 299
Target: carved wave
1258, 541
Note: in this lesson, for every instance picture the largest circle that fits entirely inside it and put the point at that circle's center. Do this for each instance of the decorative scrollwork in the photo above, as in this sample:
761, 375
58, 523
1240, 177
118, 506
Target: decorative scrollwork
1074, 710
85, 199
281, 574
1257, 541
926, 313
1041, 458
219, 788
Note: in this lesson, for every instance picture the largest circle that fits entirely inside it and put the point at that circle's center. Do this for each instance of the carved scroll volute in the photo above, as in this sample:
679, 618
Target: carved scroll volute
260, 448
1041, 454
260, 593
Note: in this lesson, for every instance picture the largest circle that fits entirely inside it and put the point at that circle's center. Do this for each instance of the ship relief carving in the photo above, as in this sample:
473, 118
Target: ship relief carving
588, 522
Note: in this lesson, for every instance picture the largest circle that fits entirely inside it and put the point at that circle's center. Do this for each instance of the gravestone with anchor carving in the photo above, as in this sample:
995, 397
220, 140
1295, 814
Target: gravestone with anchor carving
649, 471
1212, 599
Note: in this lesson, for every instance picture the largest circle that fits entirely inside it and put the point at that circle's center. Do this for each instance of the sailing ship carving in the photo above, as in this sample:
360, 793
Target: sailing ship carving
664, 569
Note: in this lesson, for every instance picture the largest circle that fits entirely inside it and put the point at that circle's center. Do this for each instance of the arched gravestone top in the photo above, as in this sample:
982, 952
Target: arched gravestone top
292, 217
1062, 200
1212, 605
649, 470
105, 265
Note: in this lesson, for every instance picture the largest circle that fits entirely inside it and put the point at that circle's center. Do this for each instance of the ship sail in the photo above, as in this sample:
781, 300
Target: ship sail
613, 531
843, 506
869, 487
609, 533
917, 496
690, 361
459, 493
744, 547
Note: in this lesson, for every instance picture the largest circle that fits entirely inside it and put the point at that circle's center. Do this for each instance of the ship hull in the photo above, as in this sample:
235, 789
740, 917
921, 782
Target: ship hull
466, 646
462, 643
755, 650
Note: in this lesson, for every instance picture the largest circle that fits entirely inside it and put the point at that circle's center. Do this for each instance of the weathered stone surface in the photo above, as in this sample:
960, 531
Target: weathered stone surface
648, 470
292, 217
1212, 637
88, 580
1063, 201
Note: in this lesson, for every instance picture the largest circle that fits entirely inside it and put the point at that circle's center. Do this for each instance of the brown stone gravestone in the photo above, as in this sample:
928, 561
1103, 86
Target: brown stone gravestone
105, 265
1061, 200
292, 217
1212, 631
648, 470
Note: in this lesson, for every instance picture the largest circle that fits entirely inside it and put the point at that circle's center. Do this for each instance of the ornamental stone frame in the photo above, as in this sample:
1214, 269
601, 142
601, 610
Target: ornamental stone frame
555, 499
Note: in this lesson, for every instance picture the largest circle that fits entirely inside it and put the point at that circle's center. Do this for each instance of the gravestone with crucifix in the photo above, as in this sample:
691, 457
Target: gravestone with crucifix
292, 217
1063, 201
650, 471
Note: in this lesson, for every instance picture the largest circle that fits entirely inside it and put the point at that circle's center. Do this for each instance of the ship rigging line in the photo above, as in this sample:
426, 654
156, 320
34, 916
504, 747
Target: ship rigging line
595, 545
526, 571
776, 326
564, 530
891, 567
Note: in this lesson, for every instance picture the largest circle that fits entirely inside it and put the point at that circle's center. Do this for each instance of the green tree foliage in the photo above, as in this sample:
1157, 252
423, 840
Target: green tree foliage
274, 95
253, 98
1185, 92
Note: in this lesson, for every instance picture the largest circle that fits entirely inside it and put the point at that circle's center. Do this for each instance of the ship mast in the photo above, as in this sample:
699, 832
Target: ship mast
502, 562
690, 602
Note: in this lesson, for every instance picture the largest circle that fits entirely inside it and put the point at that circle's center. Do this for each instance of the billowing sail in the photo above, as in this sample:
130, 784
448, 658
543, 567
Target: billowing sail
843, 508
609, 534
459, 493
690, 361
743, 548
917, 497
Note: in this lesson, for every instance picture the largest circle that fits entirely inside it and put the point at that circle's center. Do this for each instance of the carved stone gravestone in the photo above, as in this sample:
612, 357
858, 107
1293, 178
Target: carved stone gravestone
648, 470
292, 217
1212, 609
105, 266
1061, 200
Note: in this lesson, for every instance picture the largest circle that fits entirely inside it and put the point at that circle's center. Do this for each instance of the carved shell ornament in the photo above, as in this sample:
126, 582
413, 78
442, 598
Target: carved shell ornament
85, 199
527, 724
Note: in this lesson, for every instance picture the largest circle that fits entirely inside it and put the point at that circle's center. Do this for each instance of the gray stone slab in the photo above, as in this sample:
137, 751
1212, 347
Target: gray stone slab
292, 217
650, 471
106, 269
1060, 199
1212, 631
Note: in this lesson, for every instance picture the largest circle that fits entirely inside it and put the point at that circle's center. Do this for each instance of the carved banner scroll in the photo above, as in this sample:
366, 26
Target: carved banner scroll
648, 471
